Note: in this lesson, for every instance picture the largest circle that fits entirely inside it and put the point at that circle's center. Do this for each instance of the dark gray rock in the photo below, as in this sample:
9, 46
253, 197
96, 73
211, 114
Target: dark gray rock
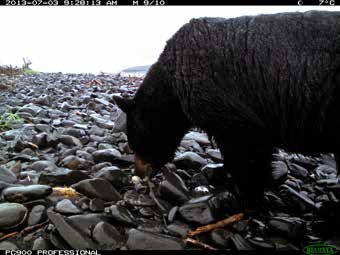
292, 228
198, 211
221, 237
215, 155
132, 197
75, 237
198, 137
97, 188
41, 244
5, 245
120, 122
66, 206
191, 145
7, 175
42, 165
114, 175
70, 140
62, 177
123, 215
178, 229
142, 240
297, 201
240, 243
189, 160
279, 172
74, 132
298, 171
74, 162
31, 109
326, 172
107, 236
37, 215
108, 155
174, 189
87, 222
96, 205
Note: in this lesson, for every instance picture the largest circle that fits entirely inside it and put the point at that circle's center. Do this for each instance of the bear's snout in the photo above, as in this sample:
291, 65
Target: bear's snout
142, 168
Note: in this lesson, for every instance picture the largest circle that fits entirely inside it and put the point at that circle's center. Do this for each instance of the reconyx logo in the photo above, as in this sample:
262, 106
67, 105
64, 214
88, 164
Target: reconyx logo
320, 249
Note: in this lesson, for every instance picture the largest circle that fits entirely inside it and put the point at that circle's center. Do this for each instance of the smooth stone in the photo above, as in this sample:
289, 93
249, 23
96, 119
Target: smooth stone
198, 211
62, 177
188, 160
43, 128
122, 214
26, 193
296, 200
5, 245
66, 206
114, 175
215, 173
70, 140
30, 108
75, 237
42, 165
107, 235
292, 228
95, 130
221, 237
7, 175
279, 172
326, 172
41, 244
134, 198
108, 155
173, 189
96, 205
215, 155
154, 226
73, 162
84, 155
87, 222
4, 185
241, 244
143, 240
178, 229
12, 215
97, 188
191, 145
120, 122
74, 132
298, 171
37, 215
198, 137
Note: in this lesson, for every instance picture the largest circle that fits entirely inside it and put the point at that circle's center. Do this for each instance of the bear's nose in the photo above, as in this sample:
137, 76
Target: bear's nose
142, 168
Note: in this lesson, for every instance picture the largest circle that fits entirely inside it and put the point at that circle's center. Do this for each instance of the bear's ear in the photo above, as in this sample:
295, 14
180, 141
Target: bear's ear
126, 105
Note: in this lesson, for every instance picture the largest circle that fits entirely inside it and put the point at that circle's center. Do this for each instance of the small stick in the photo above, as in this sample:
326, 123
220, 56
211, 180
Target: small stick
219, 224
193, 241
8, 235
32, 228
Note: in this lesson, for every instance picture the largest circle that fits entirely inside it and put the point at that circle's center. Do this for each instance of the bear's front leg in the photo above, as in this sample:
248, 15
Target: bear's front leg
250, 168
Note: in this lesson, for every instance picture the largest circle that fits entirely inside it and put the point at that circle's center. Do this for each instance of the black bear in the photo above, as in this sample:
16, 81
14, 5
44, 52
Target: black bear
253, 83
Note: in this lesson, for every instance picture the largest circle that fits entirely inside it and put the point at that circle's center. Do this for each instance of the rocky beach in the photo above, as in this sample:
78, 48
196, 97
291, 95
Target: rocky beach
67, 180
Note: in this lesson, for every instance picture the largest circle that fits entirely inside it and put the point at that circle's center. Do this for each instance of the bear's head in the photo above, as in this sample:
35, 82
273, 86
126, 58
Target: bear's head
143, 134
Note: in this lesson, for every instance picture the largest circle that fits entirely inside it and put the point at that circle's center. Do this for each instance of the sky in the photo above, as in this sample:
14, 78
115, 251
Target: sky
103, 38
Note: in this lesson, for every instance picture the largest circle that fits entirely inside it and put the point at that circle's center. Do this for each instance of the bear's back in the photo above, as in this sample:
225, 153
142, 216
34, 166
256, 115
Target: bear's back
279, 68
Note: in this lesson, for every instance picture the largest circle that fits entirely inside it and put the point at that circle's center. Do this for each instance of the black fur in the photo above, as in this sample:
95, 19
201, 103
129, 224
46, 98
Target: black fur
253, 83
